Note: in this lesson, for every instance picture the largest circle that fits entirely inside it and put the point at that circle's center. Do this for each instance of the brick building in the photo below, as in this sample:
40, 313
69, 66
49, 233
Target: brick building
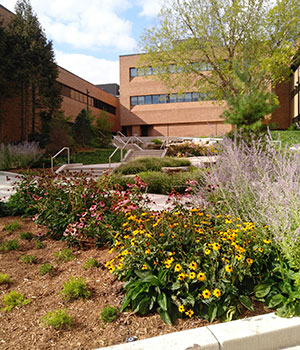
147, 110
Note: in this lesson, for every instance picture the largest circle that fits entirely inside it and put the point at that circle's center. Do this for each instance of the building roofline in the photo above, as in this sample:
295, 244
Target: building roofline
6, 9
133, 54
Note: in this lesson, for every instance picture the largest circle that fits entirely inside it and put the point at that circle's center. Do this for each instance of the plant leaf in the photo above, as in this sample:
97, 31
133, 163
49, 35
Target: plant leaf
162, 301
246, 301
165, 317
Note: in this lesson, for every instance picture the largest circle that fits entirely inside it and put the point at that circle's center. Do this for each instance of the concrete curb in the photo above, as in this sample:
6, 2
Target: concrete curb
265, 332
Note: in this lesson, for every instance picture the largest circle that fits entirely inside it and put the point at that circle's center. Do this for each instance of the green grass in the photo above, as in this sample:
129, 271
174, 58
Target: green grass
99, 156
290, 137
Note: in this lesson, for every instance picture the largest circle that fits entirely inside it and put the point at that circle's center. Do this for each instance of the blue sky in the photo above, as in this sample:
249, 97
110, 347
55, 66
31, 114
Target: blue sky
88, 36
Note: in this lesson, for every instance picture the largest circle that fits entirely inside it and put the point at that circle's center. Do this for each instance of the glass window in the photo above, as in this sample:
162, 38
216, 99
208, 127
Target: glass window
162, 98
173, 98
180, 98
155, 99
149, 71
148, 100
188, 97
133, 100
195, 96
133, 72
141, 100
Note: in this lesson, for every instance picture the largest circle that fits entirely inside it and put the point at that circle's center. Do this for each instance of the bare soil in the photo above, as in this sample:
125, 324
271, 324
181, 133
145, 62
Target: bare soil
22, 328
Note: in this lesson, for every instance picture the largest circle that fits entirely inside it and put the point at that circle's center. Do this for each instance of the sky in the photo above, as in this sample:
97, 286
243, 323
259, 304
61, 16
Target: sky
89, 35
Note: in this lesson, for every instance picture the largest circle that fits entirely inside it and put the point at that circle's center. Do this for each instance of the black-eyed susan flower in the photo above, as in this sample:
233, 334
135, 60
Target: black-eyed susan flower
147, 251
193, 265
228, 268
239, 257
181, 308
201, 276
216, 246
217, 293
178, 267
249, 261
206, 294
181, 276
267, 241
192, 275
207, 251
144, 267
189, 313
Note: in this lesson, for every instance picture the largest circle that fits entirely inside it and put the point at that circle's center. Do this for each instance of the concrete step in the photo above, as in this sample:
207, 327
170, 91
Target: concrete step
146, 153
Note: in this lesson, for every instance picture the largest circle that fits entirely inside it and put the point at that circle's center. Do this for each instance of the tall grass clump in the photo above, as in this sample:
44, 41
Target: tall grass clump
259, 183
18, 156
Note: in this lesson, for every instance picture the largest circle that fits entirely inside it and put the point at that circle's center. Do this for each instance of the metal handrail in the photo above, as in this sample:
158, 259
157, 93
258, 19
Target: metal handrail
52, 158
110, 157
121, 134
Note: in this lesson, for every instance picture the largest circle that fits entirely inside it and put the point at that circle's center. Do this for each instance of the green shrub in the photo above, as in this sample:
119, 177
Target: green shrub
58, 319
46, 268
14, 299
91, 263
150, 164
12, 244
13, 226
4, 279
26, 235
28, 259
65, 255
157, 141
75, 288
109, 314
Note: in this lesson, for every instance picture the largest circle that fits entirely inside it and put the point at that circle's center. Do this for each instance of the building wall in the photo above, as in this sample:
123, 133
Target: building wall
282, 116
199, 118
295, 96
72, 107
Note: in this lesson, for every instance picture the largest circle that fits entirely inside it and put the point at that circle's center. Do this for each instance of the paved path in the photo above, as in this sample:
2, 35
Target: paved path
7, 180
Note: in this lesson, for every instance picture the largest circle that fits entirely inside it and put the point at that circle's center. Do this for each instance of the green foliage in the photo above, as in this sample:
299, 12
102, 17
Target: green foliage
150, 164
186, 262
281, 291
26, 235
13, 226
97, 156
28, 259
14, 299
109, 314
46, 268
83, 131
196, 36
9, 245
64, 255
157, 141
75, 288
189, 149
32, 69
4, 211
103, 129
249, 109
4, 279
58, 319
91, 263
287, 137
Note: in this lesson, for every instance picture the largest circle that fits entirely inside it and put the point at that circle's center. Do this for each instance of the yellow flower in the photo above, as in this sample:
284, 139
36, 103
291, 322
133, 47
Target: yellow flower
192, 275
181, 276
125, 224
249, 261
181, 308
201, 276
189, 313
120, 266
206, 294
216, 246
193, 265
239, 257
260, 250
207, 251
167, 266
217, 293
144, 267
228, 268
267, 241
147, 251
177, 267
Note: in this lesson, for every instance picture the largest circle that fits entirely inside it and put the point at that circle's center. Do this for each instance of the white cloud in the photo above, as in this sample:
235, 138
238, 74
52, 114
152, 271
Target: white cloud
91, 25
150, 8
92, 69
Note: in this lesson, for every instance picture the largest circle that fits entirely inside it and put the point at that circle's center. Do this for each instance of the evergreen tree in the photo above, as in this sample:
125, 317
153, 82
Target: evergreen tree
33, 71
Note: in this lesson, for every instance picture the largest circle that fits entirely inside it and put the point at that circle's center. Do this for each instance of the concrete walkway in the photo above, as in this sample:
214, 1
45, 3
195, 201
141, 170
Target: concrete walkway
7, 179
